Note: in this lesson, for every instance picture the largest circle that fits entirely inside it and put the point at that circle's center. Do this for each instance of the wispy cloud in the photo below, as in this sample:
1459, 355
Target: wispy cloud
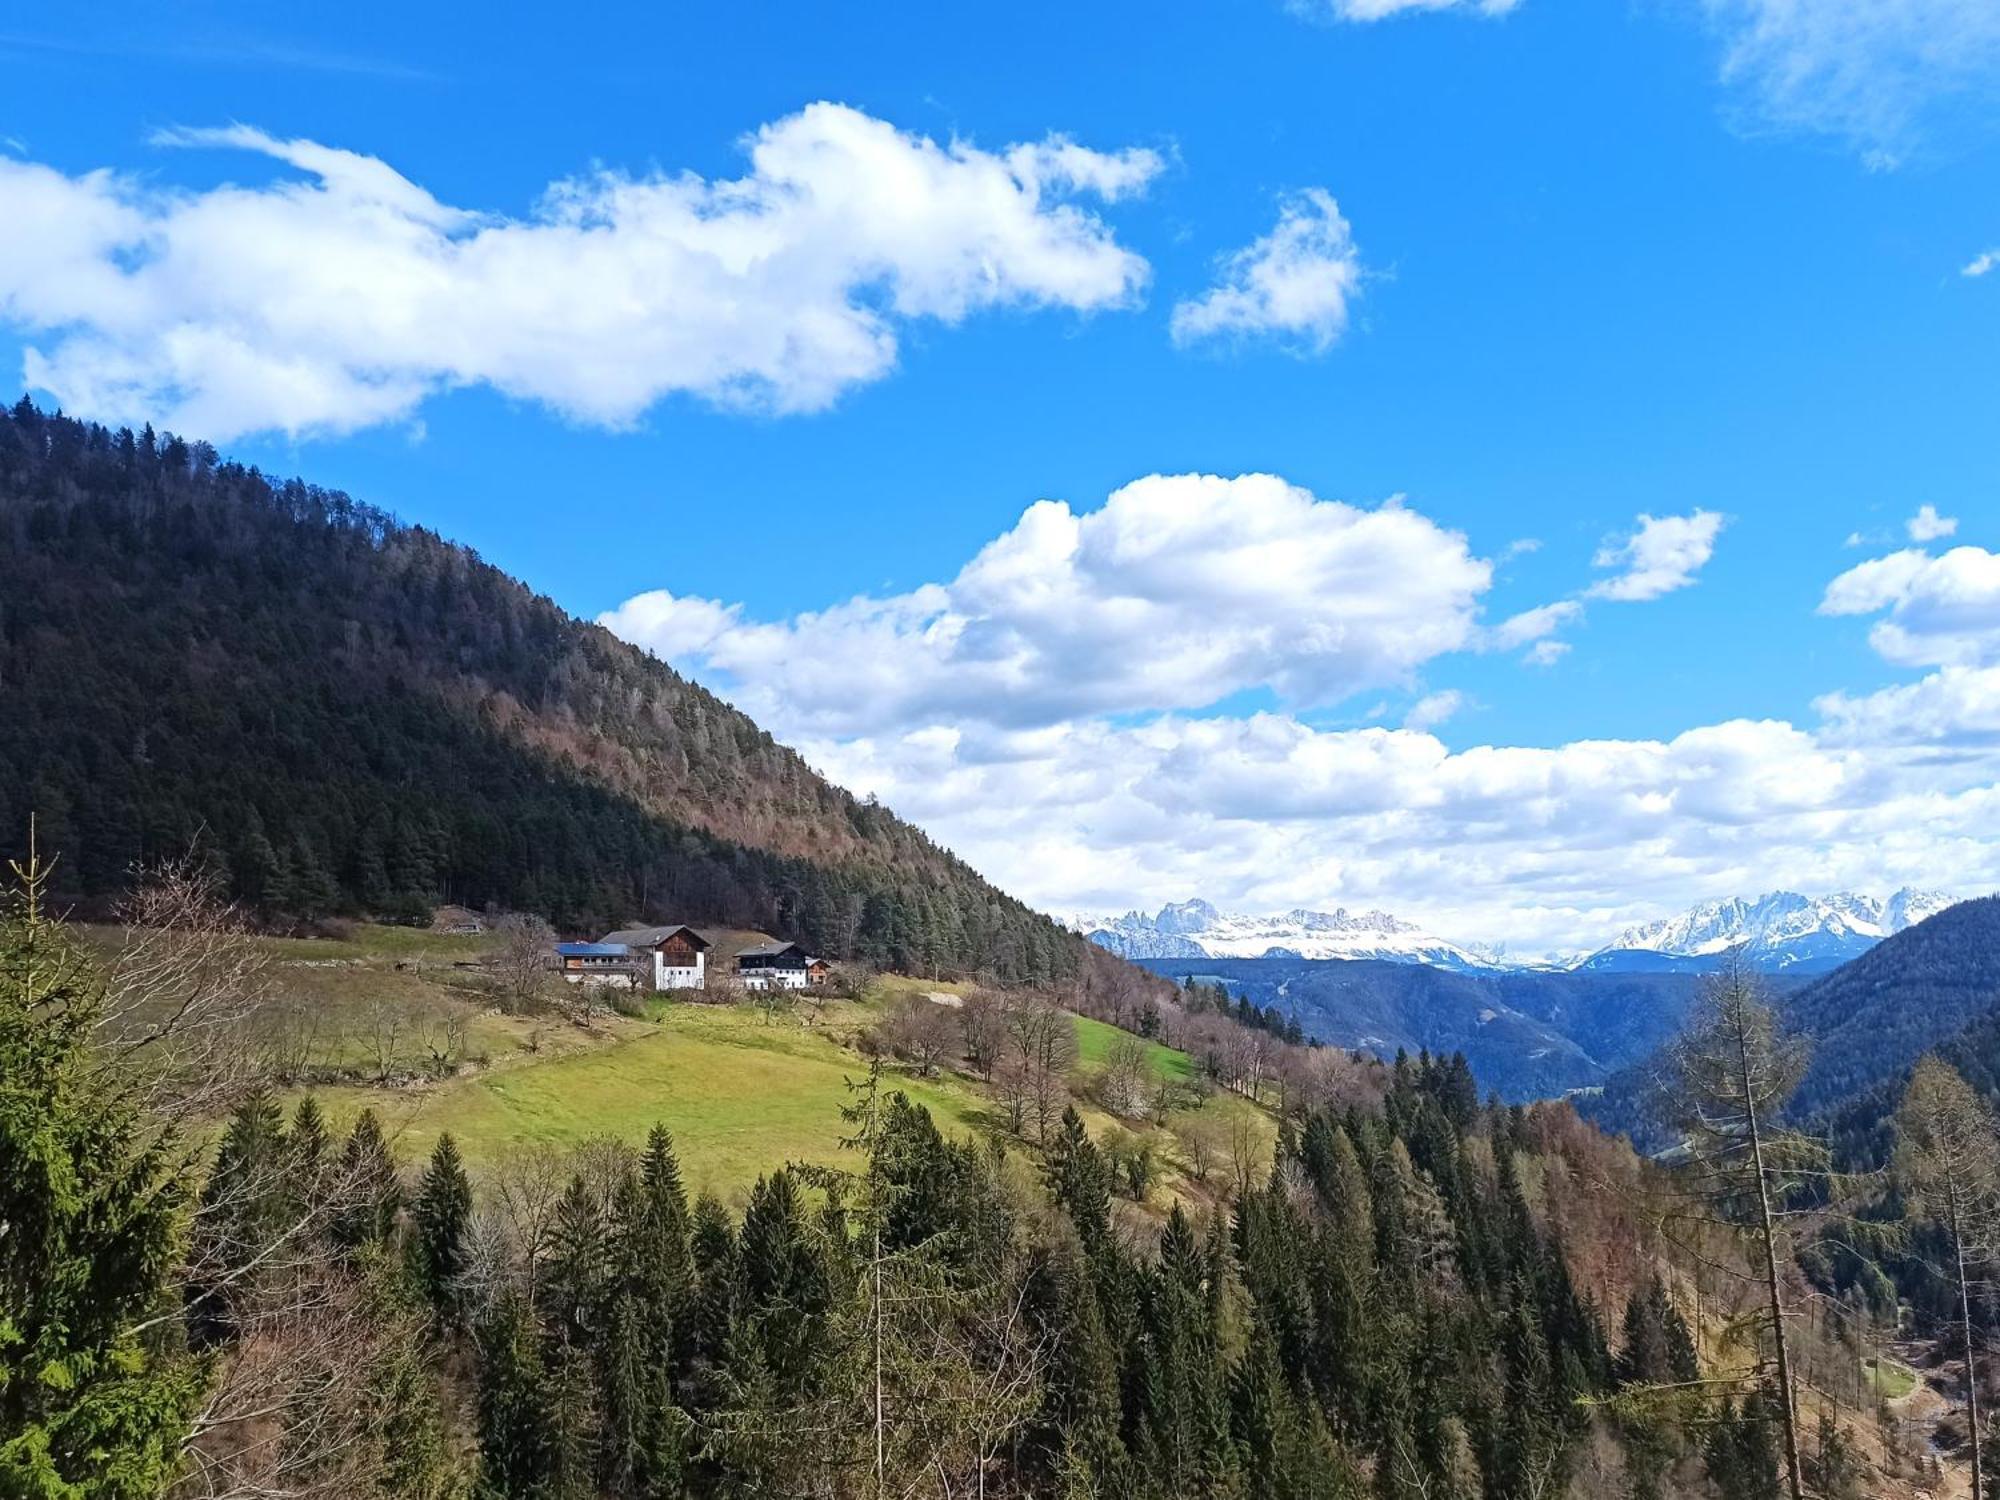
238, 52
1293, 284
1663, 554
1981, 263
1382, 10
1433, 709
1873, 72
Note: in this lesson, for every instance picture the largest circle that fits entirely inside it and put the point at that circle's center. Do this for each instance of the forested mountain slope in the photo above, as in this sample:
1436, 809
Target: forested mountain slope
1871, 1018
1529, 1035
1934, 985
354, 714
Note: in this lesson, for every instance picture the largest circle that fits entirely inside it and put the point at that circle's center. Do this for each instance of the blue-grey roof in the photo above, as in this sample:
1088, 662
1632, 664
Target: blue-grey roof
772, 950
593, 950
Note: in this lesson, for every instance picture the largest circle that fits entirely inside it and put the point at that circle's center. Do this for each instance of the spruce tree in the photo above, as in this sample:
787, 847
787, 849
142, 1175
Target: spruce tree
369, 1192
248, 1204
573, 1287
715, 1306
517, 1440
442, 1211
311, 1148
89, 1408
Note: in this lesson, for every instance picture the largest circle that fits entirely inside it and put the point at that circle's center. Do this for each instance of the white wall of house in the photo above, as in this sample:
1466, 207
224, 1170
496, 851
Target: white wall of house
783, 979
692, 978
623, 979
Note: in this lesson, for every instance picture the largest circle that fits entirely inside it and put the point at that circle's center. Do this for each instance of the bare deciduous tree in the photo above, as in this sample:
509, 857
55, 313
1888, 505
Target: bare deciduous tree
179, 993
982, 1023
1128, 1070
520, 963
1247, 1151
1041, 1039
921, 1032
382, 1034
1203, 1140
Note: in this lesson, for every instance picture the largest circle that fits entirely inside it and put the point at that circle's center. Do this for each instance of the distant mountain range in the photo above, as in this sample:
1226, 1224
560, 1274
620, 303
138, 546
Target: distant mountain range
1934, 984
1195, 929
1783, 930
1779, 932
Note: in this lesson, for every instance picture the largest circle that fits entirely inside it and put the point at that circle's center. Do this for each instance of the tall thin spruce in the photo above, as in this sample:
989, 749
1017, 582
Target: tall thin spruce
865, 1113
1948, 1166
1734, 1070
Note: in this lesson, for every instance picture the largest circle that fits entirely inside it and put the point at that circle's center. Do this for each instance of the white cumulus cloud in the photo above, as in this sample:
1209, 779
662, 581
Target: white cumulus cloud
1051, 714
1938, 611
1663, 554
1293, 284
1982, 263
1179, 591
346, 296
1927, 525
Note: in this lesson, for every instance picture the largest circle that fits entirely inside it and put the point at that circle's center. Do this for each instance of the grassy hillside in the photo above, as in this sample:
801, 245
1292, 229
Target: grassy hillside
742, 1096
353, 715
743, 1091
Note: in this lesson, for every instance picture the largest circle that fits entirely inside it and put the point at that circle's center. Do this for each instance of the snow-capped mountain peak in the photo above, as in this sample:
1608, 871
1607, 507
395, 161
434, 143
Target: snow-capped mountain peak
1196, 929
1780, 930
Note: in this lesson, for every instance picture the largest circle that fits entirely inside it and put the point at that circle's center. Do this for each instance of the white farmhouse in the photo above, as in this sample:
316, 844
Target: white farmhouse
677, 957
779, 966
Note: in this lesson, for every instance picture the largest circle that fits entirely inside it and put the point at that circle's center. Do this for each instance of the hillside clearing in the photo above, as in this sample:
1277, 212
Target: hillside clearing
741, 1096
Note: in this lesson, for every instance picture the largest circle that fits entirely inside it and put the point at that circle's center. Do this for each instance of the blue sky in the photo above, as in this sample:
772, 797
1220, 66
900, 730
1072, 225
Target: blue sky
1590, 262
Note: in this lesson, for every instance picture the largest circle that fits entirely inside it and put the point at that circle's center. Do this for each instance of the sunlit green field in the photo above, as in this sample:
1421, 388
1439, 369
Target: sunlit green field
740, 1094
1095, 1039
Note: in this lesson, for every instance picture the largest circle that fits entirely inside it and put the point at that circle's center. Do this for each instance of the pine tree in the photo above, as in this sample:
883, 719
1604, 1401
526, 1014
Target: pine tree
643, 1338
369, 1191
310, 1150
517, 1440
442, 1211
715, 1307
1076, 1442
249, 1203
1079, 1181
1741, 1458
784, 1283
88, 1406
574, 1285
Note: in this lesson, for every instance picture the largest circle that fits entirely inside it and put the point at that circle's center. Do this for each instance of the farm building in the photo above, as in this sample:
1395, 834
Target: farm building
598, 963
677, 956
764, 966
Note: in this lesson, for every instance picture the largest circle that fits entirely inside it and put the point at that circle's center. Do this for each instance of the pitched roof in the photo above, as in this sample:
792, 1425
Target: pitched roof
652, 937
594, 950
770, 950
